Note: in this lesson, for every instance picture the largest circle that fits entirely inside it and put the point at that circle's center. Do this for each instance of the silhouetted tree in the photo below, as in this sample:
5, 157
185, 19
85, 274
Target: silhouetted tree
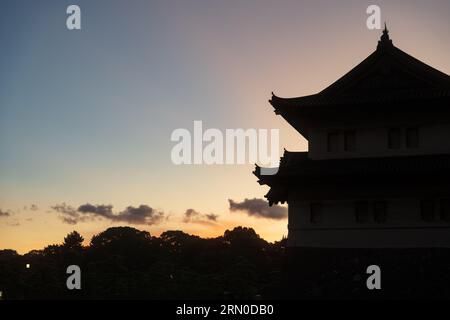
123, 263
120, 238
73, 240
242, 236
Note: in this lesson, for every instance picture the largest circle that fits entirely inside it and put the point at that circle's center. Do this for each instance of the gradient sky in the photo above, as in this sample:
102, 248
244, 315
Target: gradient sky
86, 116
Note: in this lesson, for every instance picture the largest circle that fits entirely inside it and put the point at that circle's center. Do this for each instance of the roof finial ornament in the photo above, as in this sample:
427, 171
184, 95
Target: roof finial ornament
385, 41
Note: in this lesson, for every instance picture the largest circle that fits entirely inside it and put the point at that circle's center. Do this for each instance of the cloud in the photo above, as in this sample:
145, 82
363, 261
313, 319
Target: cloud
32, 207
14, 224
189, 214
88, 212
65, 209
100, 210
259, 208
69, 220
211, 217
4, 213
140, 215
193, 216
69, 214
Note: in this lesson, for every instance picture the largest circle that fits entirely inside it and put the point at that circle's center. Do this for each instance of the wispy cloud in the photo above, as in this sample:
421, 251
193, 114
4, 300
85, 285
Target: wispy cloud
259, 208
68, 213
193, 216
142, 214
4, 213
14, 224
65, 209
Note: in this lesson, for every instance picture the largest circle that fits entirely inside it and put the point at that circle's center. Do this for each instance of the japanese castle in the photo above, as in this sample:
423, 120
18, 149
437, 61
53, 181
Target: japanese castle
376, 177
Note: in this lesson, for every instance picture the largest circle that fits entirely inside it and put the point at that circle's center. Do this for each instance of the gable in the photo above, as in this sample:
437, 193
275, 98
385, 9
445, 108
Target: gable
388, 70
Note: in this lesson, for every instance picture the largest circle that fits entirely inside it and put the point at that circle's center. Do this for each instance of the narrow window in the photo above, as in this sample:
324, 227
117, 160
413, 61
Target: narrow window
412, 138
349, 141
379, 210
394, 137
362, 211
333, 142
445, 210
316, 212
427, 210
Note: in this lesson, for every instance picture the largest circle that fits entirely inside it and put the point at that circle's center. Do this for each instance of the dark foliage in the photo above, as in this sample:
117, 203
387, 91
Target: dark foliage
126, 263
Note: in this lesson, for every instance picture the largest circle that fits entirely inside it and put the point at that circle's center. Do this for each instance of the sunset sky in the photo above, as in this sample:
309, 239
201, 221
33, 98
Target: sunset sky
86, 116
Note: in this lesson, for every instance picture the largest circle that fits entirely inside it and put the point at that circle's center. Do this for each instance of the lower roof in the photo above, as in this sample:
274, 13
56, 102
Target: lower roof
297, 170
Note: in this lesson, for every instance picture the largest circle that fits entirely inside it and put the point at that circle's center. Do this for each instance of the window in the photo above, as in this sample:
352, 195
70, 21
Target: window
349, 141
427, 210
362, 211
379, 210
316, 212
394, 137
412, 138
333, 142
445, 210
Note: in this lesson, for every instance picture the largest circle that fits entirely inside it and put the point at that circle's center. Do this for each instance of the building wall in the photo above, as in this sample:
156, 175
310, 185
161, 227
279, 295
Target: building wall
373, 142
338, 228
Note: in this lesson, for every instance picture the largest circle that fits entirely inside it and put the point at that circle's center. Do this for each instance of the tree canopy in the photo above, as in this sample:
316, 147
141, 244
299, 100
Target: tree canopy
123, 262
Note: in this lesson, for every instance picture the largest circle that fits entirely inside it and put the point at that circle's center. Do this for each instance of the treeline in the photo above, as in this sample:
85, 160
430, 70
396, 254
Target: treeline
126, 263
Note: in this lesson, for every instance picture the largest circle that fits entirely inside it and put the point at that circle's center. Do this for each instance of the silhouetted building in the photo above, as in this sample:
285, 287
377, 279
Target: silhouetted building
376, 174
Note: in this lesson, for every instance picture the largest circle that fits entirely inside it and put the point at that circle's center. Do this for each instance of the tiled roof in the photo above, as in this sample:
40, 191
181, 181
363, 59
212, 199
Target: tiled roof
387, 75
298, 165
375, 98
298, 171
